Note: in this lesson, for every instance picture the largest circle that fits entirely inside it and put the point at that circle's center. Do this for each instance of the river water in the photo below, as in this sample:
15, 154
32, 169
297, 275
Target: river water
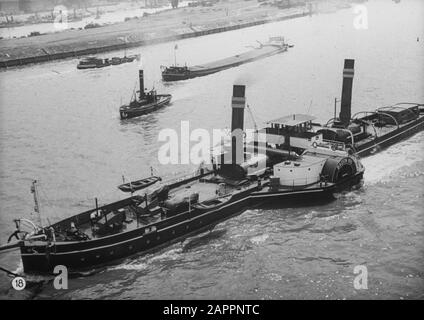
61, 126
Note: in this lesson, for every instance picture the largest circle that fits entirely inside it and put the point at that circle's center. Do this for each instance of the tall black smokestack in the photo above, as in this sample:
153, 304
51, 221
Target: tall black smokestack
141, 79
345, 109
238, 104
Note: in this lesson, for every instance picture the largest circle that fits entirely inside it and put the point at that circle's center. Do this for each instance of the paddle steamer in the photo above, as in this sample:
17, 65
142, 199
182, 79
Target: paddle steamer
240, 175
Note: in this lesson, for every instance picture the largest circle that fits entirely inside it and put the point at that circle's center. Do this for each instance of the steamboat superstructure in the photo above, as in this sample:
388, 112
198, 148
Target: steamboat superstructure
367, 132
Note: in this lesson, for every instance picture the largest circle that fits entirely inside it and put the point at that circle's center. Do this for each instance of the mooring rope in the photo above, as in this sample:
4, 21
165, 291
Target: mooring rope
9, 272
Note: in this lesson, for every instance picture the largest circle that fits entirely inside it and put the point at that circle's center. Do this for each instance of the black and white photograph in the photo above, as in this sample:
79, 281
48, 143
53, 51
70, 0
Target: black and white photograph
211, 150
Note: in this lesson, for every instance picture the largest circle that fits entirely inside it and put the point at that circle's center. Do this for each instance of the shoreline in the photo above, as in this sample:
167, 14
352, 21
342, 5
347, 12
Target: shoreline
160, 27
114, 47
164, 27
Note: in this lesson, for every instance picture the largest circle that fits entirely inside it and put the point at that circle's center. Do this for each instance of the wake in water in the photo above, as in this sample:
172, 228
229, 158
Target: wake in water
146, 262
396, 160
174, 253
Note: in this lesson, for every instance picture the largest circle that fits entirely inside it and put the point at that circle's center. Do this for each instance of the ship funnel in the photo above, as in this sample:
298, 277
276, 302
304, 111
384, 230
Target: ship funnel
345, 109
238, 103
141, 79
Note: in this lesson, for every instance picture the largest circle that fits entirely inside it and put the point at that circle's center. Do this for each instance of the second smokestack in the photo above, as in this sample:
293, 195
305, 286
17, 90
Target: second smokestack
238, 103
346, 103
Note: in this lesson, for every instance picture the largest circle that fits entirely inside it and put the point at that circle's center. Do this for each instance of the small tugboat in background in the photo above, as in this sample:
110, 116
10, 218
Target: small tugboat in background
146, 102
273, 46
94, 62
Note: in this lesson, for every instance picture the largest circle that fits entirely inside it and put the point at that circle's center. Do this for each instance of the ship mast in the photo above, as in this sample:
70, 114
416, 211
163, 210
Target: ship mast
335, 108
34, 191
175, 55
255, 136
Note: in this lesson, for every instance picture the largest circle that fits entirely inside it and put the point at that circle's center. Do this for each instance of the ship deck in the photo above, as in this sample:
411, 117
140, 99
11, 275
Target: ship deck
237, 59
206, 188
380, 132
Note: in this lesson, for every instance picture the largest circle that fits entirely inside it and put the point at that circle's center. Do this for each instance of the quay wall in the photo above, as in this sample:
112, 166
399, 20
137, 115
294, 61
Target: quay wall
99, 49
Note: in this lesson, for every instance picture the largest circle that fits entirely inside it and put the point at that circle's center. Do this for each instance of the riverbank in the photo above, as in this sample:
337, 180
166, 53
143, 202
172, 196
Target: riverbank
156, 28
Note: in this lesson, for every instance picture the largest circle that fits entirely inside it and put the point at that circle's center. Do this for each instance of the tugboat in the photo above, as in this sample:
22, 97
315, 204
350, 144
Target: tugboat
274, 46
240, 176
94, 62
367, 132
146, 102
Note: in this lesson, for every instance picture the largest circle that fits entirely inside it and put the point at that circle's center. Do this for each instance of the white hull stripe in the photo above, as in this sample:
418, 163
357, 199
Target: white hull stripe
285, 194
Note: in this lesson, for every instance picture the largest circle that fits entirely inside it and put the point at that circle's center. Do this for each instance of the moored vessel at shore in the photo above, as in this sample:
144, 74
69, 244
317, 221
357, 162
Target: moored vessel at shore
94, 62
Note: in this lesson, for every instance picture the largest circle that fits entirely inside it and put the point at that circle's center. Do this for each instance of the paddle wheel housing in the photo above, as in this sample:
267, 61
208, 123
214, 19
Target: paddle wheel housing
339, 168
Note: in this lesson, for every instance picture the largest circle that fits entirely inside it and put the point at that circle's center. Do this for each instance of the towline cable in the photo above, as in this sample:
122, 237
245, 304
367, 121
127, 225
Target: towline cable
9, 272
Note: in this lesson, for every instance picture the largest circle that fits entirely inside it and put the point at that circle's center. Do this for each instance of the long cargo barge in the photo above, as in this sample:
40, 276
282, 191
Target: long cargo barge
274, 46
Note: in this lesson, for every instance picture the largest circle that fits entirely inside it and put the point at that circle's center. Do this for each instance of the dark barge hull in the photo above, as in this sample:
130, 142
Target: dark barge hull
386, 140
108, 64
210, 68
164, 99
83, 255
